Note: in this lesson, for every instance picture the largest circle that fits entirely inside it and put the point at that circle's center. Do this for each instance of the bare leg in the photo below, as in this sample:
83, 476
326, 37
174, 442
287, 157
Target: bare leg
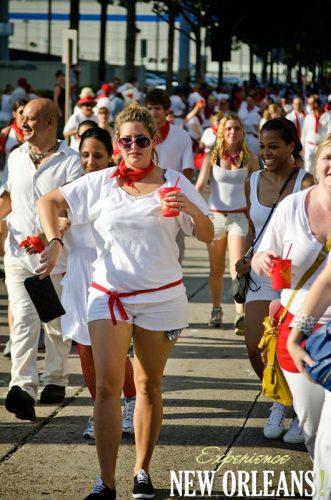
255, 312
236, 245
217, 251
110, 346
151, 353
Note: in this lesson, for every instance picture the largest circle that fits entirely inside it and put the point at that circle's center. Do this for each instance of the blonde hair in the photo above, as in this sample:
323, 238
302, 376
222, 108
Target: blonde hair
137, 113
220, 145
326, 143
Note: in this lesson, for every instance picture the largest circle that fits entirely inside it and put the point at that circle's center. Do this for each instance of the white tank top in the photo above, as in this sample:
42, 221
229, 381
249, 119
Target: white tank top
259, 213
227, 189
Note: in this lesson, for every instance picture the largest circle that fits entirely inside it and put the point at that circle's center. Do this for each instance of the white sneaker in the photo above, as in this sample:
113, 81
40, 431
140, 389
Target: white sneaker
274, 426
128, 411
89, 431
294, 434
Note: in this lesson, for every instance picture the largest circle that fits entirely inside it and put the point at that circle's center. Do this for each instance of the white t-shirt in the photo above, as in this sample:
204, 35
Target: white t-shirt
136, 245
72, 124
26, 185
309, 136
175, 152
288, 226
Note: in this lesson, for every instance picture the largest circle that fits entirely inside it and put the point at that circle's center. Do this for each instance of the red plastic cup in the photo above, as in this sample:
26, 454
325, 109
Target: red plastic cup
165, 209
281, 274
201, 103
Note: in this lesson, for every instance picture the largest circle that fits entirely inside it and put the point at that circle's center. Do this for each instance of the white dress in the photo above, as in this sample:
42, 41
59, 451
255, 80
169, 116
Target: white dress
76, 282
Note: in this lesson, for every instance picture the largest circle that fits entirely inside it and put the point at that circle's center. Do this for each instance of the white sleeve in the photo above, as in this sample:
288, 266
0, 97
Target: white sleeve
71, 124
187, 157
84, 197
196, 198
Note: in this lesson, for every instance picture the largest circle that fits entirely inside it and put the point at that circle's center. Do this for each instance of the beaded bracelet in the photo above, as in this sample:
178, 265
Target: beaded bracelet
55, 239
304, 322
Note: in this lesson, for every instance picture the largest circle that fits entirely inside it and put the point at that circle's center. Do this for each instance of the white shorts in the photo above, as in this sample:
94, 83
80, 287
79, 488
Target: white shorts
231, 223
155, 316
265, 292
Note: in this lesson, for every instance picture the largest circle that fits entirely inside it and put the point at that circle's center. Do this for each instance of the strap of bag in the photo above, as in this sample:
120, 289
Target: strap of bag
316, 264
250, 250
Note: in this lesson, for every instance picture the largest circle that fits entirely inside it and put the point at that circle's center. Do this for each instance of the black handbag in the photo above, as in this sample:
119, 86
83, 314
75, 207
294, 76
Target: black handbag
241, 284
44, 297
318, 347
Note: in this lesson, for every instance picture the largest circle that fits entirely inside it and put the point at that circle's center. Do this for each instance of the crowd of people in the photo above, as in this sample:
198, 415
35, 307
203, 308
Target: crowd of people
89, 191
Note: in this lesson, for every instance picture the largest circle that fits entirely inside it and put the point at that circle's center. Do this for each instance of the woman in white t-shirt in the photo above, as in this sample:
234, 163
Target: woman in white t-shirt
137, 290
281, 153
302, 223
230, 164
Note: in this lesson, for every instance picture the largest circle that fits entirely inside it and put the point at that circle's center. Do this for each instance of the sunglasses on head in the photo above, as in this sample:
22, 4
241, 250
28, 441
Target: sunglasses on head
127, 142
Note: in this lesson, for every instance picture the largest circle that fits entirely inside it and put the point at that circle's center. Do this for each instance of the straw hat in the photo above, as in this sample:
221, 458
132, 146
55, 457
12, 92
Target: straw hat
86, 92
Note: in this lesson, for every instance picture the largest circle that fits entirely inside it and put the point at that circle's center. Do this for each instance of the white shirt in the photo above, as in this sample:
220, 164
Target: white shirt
72, 124
288, 226
177, 106
296, 117
26, 185
309, 137
175, 152
136, 245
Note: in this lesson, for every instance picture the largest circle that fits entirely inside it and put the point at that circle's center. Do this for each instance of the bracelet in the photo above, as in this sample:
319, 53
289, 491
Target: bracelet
55, 239
304, 322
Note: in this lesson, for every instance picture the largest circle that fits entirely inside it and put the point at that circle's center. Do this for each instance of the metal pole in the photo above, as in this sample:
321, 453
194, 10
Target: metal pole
49, 27
102, 57
157, 44
67, 111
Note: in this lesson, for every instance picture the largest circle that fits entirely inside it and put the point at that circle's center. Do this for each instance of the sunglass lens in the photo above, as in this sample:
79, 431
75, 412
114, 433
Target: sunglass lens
143, 142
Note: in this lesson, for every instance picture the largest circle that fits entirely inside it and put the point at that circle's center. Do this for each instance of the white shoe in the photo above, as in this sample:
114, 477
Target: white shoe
294, 434
128, 412
89, 431
274, 426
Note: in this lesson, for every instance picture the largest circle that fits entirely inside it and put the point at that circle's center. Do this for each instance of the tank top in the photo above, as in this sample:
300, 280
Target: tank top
259, 213
227, 189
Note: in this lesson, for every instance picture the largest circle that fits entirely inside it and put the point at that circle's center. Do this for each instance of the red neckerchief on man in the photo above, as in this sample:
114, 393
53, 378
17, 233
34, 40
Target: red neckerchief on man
162, 133
131, 176
317, 120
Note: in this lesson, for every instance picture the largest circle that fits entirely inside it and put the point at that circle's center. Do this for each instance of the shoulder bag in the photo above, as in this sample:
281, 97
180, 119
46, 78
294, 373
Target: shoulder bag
241, 284
274, 385
318, 347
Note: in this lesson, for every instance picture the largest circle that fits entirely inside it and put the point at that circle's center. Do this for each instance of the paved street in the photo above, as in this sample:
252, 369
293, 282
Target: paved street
212, 407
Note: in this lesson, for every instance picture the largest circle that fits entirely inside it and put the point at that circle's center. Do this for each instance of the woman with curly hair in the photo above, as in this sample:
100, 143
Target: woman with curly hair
231, 162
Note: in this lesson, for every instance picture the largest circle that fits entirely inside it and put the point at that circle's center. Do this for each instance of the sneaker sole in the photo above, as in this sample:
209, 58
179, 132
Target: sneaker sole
293, 441
143, 495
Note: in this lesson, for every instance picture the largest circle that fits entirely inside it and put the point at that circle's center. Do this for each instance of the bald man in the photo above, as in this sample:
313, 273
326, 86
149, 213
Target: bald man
42, 163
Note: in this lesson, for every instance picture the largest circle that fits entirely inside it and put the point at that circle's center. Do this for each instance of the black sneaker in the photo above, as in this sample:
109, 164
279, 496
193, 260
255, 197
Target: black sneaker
142, 485
52, 394
20, 403
100, 490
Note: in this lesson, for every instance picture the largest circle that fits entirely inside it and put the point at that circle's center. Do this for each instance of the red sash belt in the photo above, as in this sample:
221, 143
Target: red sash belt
224, 212
115, 297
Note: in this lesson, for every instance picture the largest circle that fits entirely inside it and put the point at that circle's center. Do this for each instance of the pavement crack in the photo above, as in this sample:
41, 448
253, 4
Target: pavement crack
236, 436
35, 431
197, 291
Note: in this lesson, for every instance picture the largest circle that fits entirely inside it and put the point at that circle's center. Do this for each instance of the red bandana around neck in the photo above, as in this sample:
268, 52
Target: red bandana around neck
162, 133
317, 120
214, 128
131, 176
227, 156
18, 130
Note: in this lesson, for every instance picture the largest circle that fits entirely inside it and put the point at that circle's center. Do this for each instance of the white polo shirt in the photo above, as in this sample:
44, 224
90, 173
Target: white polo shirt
26, 185
175, 152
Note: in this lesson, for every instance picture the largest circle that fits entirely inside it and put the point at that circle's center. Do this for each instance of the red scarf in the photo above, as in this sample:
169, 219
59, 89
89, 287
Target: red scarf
162, 133
214, 128
18, 130
131, 176
317, 120
227, 156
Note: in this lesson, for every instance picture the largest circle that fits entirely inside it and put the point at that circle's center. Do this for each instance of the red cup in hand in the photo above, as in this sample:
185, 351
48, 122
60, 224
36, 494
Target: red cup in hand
168, 211
35, 242
281, 274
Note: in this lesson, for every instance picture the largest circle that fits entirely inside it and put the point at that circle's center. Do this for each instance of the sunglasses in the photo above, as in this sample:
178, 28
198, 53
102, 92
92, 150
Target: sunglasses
127, 142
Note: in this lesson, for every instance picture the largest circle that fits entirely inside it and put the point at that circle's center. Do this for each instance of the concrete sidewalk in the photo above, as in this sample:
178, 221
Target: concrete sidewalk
212, 407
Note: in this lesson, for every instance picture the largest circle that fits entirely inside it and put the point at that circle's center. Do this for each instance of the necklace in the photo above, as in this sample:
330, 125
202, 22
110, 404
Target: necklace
38, 157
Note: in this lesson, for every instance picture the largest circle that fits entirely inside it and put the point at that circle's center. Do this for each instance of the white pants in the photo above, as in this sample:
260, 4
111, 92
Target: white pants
312, 404
25, 335
309, 157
